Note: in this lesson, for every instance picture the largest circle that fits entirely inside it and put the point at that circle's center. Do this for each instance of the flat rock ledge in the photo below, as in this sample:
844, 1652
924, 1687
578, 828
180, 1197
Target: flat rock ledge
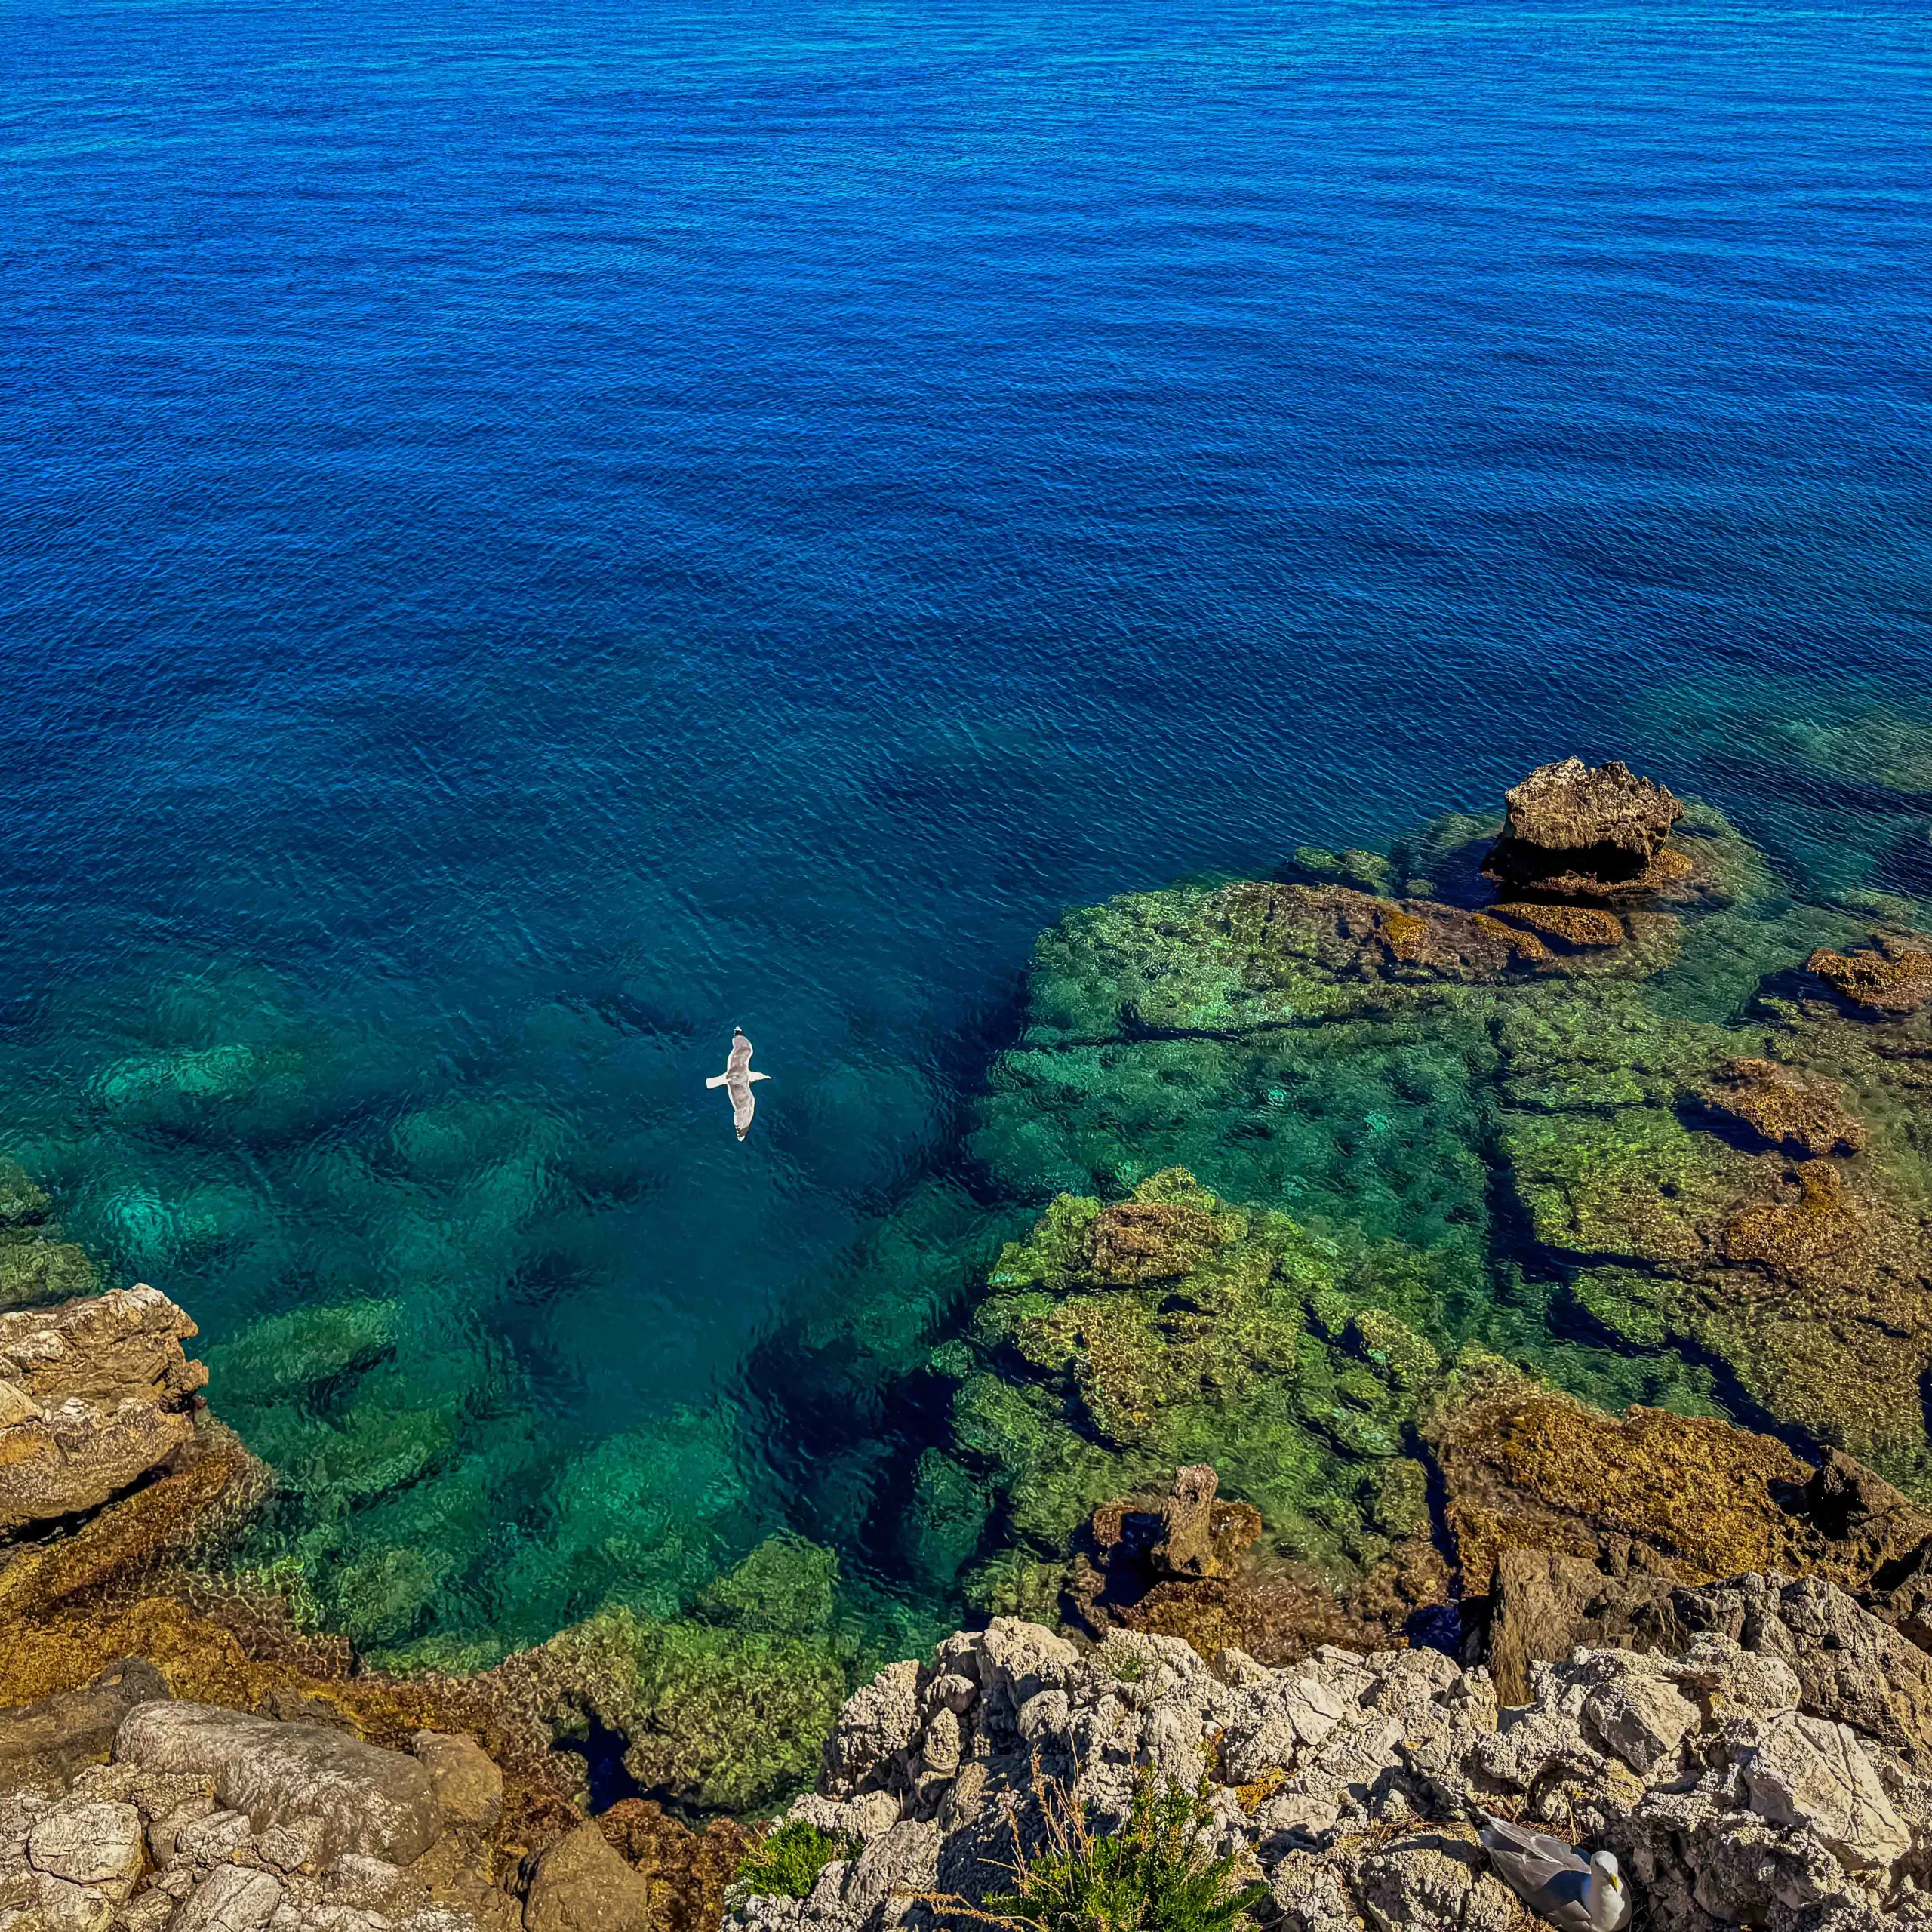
1740, 1782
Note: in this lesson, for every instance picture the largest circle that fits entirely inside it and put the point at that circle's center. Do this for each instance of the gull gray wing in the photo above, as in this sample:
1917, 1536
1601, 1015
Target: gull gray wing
1546, 1874
744, 1104
740, 1057
1500, 1835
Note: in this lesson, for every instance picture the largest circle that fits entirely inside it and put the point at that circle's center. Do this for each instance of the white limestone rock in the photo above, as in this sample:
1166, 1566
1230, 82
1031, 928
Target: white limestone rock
91, 1842
1814, 1776
232, 1898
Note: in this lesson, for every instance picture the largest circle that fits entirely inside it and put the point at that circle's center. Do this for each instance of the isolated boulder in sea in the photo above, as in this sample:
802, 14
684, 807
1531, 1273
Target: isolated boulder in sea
93, 1393
1587, 831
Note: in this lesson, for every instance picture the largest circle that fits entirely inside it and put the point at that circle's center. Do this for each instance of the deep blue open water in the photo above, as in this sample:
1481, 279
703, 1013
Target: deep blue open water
531, 534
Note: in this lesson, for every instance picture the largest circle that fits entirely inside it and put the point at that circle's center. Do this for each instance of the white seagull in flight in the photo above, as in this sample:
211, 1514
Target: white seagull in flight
737, 1081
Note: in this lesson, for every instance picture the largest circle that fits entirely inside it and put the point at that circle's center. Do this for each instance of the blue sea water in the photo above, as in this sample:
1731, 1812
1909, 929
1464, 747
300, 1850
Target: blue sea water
531, 535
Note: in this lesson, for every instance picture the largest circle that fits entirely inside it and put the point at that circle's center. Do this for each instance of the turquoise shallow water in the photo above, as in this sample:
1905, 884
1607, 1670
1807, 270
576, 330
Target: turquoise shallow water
533, 536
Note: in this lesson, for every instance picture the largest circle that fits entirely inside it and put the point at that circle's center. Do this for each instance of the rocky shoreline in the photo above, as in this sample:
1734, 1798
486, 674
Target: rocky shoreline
1262, 1503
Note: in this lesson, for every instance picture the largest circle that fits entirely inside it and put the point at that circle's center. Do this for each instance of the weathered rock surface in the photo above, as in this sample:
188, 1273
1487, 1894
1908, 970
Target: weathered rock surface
688, 1871
1183, 1565
1891, 976
1570, 1526
468, 1785
581, 1884
93, 1394
1587, 831
46, 1742
211, 1820
364, 1798
1736, 1785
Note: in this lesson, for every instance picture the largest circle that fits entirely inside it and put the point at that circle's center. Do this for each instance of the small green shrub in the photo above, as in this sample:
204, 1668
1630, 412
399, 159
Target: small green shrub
786, 1865
1152, 1876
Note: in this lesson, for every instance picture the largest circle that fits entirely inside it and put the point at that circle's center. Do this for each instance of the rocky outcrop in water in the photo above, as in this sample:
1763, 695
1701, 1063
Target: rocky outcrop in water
1588, 831
1736, 1786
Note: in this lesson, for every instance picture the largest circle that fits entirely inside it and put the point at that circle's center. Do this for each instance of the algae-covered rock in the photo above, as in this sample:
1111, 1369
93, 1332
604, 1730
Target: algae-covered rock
1891, 975
282, 1354
1778, 1108
1767, 1206
23, 1202
1120, 1342
726, 1717
36, 1267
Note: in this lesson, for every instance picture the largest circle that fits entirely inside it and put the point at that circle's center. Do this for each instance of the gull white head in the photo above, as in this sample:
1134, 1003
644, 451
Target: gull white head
1610, 1897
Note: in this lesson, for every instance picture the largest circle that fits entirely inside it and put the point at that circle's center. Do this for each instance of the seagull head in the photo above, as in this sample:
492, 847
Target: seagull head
1610, 1898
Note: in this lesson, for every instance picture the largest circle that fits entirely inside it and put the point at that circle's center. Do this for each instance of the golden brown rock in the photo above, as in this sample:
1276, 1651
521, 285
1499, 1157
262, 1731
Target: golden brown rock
1572, 928
581, 1884
1893, 975
1579, 831
686, 1870
1783, 1109
1526, 1467
1153, 1240
93, 1394
1575, 1526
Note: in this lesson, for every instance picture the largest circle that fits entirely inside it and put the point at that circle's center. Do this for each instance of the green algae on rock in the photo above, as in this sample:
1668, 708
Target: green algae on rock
1270, 1156
1117, 1342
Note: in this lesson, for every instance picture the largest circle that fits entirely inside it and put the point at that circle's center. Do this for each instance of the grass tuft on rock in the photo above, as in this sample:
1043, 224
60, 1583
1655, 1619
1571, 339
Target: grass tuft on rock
1154, 1874
787, 1864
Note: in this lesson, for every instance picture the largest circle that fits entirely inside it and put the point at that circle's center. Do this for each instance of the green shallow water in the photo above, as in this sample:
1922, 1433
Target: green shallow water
918, 1439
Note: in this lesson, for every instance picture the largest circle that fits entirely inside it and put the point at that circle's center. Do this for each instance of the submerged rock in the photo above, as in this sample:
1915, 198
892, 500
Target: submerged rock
1893, 975
1119, 1344
1801, 1115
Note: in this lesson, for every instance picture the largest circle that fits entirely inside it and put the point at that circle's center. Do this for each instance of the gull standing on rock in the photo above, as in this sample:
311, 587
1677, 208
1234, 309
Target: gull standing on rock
737, 1081
1555, 1881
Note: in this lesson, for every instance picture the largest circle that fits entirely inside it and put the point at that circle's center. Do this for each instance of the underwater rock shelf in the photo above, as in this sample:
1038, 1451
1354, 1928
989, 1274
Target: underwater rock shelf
1362, 1196
1588, 1090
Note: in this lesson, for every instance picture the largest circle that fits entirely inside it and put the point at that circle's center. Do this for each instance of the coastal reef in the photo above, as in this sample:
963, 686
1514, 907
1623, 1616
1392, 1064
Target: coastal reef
1594, 1093
1505, 1246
